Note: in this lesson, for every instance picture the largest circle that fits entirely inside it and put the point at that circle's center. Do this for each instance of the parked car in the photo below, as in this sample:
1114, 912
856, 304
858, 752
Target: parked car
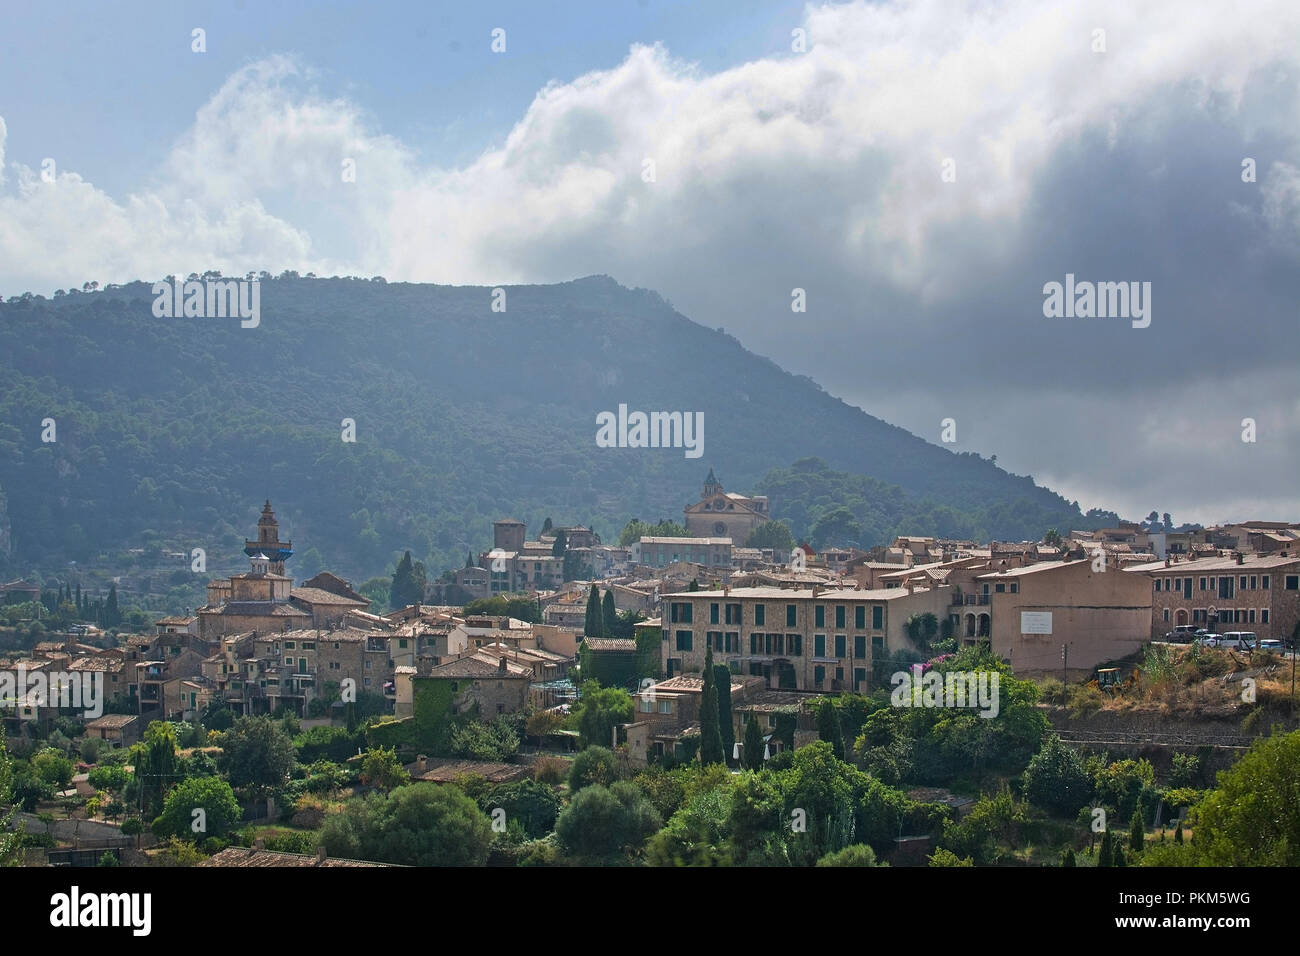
1271, 644
1206, 638
1237, 640
1181, 634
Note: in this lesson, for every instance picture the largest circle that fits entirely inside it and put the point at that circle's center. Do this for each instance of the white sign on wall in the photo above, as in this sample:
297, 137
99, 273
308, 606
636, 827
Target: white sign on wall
1035, 622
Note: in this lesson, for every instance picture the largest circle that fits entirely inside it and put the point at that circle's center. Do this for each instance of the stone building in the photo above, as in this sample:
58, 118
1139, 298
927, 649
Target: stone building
723, 514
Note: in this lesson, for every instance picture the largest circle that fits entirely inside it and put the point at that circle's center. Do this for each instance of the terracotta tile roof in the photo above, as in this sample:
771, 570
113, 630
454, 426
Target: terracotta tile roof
610, 643
321, 596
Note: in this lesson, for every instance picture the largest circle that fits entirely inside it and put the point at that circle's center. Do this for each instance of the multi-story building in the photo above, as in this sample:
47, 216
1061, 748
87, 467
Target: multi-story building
660, 551
1247, 592
1094, 610
795, 639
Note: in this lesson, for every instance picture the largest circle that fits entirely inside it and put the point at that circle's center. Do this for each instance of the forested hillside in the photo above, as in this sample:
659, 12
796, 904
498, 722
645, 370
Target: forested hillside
176, 429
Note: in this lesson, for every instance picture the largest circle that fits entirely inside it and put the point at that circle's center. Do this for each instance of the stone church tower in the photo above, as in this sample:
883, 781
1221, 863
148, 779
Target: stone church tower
268, 542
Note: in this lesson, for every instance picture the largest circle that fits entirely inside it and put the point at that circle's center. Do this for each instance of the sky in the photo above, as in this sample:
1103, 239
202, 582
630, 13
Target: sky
921, 170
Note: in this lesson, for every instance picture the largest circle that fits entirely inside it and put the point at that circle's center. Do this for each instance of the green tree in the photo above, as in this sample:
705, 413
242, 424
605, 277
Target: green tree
859, 854
408, 583
595, 766
609, 615
599, 710
218, 814
421, 824
1106, 855
710, 736
1136, 833
530, 803
1252, 817
601, 823
594, 626
380, 768
772, 534
10, 841
828, 727
561, 545
753, 753
53, 768
256, 754
726, 723
1067, 858
1052, 538
1056, 779
112, 615
546, 525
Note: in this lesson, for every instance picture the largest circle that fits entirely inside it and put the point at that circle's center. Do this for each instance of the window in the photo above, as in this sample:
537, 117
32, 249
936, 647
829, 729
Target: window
794, 645
860, 646
367, 667
760, 615
713, 613
682, 612
336, 645
1203, 584
289, 645
1001, 588
309, 645
877, 617
839, 615
1254, 582
791, 615
733, 614
819, 675
1015, 587
1292, 582
1166, 615
665, 706
753, 643
840, 646
714, 639
860, 617
685, 640
819, 616
645, 705
1263, 583
859, 677
839, 673
1263, 616
1252, 616
1242, 583
731, 641
819, 645
877, 646
401, 642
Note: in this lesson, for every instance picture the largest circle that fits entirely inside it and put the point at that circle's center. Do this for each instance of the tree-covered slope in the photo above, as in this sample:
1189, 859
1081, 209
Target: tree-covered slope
176, 429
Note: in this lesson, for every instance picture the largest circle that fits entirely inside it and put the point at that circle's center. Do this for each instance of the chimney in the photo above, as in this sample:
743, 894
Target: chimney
501, 668
1241, 558
911, 585
1167, 562
259, 844
421, 764
817, 590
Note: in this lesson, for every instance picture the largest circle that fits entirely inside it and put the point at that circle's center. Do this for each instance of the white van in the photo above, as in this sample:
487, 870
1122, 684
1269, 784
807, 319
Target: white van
1242, 640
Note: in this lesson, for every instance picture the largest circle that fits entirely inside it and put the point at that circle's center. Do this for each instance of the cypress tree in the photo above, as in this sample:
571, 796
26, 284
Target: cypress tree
609, 615
753, 755
710, 738
561, 544
1067, 858
1119, 857
1136, 832
80, 606
828, 727
595, 623
112, 616
1178, 834
726, 726
546, 525
1106, 855
403, 582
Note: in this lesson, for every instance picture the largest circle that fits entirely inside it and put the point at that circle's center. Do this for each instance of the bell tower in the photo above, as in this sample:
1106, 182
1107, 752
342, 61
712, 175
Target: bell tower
268, 542
711, 486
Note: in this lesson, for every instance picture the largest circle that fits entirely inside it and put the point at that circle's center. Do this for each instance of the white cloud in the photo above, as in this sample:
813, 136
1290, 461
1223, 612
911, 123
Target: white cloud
820, 170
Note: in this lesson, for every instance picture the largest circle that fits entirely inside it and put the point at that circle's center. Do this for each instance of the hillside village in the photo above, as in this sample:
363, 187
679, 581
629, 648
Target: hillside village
547, 664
